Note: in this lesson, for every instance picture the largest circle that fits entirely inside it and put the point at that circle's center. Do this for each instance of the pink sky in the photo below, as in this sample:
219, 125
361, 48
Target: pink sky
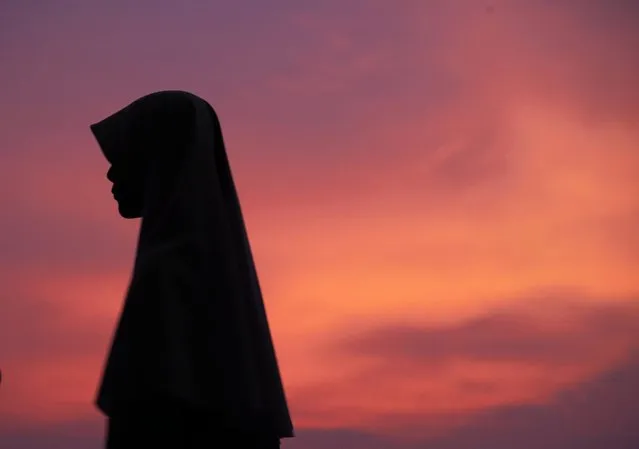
442, 199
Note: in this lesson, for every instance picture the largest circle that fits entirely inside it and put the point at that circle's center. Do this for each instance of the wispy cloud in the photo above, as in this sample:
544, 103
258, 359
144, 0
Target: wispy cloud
523, 354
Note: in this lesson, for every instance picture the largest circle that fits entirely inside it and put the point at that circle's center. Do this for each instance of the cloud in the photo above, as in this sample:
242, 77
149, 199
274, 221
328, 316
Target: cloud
597, 414
80, 434
600, 413
559, 336
391, 377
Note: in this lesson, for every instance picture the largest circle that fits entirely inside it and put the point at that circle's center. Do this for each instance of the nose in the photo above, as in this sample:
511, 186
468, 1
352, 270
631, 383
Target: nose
110, 175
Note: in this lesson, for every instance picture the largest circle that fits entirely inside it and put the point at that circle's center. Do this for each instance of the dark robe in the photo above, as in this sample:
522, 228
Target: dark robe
193, 333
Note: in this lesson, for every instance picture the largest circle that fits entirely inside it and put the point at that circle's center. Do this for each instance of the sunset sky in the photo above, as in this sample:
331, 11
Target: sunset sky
442, 198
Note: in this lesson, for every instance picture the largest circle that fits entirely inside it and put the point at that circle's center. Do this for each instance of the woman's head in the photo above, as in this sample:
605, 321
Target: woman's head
152, 133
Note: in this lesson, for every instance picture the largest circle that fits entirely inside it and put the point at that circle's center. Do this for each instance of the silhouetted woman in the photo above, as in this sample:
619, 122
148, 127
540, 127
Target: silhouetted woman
192, 363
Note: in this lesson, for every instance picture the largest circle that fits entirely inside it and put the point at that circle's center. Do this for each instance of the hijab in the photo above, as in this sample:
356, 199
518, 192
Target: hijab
193, 326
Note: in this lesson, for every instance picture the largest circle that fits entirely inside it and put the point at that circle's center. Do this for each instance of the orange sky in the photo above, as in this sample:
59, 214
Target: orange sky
441, 198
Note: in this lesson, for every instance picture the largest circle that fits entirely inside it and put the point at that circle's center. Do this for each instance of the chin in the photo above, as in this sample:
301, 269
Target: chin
129, 211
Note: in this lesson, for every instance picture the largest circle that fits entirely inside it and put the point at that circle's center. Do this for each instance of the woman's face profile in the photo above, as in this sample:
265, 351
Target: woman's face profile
145, 136
128, 187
